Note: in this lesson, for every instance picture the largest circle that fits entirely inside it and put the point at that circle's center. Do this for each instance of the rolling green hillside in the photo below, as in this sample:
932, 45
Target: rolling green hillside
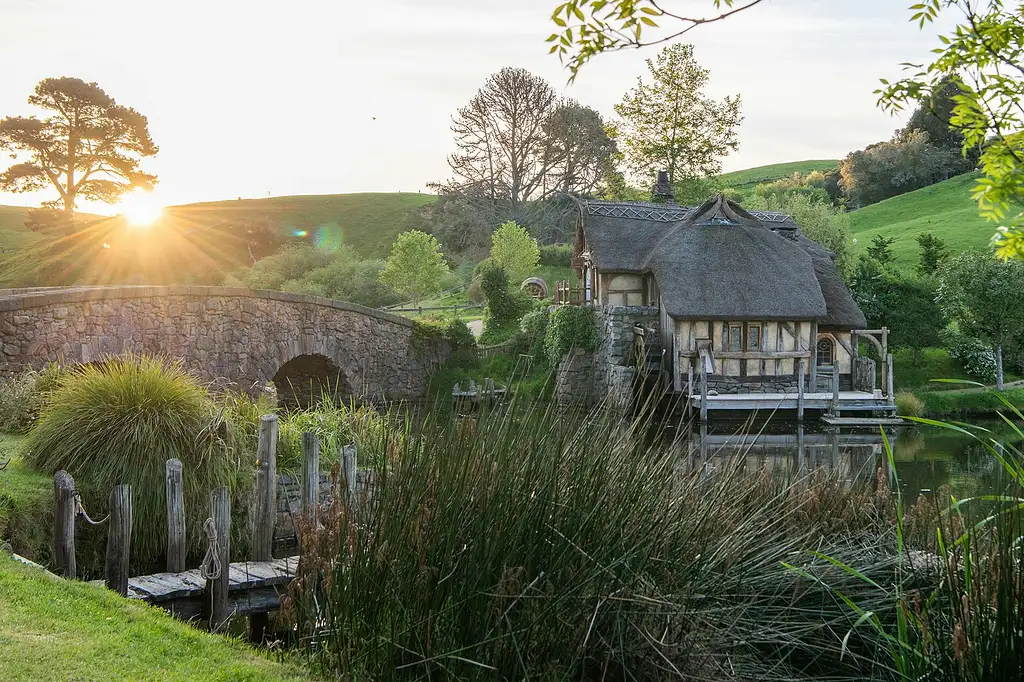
14, 234
945, 209
753, 176
200, 243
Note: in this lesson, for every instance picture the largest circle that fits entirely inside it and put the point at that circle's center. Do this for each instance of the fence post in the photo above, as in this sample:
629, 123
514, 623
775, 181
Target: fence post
800, 394
175, 516
64, 525
890, 396
217, 588
703, 390
835, 389
119, 539
266, 489
348, 463
310, 474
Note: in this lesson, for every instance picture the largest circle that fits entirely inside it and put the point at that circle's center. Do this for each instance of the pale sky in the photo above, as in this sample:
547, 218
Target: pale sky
255, 98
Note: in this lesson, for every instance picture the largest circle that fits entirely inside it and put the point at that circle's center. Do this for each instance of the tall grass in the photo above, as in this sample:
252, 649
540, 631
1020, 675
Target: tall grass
540, 545
119, 423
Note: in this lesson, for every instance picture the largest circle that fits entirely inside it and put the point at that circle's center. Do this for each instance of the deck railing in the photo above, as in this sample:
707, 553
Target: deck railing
567, 293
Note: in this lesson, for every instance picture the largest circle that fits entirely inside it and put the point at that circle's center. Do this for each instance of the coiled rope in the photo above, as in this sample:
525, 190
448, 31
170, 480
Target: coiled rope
80, 511
211, 566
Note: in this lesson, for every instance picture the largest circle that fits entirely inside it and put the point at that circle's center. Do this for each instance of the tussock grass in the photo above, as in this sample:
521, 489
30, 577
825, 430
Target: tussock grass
119, 423
539, 545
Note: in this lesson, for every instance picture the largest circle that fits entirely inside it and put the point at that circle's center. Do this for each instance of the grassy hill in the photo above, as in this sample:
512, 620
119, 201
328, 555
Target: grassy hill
200, 243
13, 233
753, 176
946, 209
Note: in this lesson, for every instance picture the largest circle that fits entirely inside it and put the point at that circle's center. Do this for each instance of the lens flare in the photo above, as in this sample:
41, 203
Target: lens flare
140, 209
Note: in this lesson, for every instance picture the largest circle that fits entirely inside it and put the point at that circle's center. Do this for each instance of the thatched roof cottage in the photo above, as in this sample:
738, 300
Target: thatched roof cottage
744, 292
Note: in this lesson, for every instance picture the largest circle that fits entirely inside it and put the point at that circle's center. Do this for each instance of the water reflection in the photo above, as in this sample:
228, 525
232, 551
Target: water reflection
927, 458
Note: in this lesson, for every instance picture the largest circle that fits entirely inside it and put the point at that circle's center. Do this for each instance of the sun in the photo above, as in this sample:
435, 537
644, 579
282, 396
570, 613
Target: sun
140, 209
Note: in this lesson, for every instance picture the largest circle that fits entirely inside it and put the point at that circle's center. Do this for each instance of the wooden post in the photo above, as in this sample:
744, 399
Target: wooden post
800, 393
890, 396
64, 525
119, 537
266, 511
217, 588
835, 389
801, 449
689, 389
266, 490
348, 464
310, 473
174, 495
703, 391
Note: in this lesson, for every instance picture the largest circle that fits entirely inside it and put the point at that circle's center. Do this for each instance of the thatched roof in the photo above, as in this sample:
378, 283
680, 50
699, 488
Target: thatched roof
719, 261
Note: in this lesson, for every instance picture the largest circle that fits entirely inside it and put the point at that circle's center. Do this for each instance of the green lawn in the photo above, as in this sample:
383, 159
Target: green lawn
775, 171
26, 503
945, 209
52, 629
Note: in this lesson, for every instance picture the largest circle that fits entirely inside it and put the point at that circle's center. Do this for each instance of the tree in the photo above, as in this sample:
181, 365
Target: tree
89, 147
669, 124
932, 116
985, 53
818, 220
588, 28
881, 249
415, 268
888, 169
982, 294
933, 253
514, 251
517, 142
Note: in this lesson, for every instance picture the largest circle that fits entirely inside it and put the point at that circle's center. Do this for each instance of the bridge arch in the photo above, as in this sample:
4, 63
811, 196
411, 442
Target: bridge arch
308, 379
222, 334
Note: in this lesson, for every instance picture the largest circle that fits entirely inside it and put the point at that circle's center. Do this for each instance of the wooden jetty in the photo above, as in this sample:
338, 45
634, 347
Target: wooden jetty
487, 393
218, 588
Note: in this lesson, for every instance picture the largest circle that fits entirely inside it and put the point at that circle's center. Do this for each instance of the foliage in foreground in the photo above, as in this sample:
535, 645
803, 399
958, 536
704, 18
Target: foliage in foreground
119, 423
536, 546
54, 629
23, 396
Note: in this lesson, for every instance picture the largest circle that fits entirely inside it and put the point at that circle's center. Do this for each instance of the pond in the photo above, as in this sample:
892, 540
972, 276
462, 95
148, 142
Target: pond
926, 457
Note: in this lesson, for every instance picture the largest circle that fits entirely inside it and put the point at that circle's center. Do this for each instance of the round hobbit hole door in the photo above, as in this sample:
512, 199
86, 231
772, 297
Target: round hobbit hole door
826, 352
535, 287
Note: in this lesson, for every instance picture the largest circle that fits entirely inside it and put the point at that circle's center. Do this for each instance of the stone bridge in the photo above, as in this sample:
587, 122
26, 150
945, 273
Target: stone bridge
306, 345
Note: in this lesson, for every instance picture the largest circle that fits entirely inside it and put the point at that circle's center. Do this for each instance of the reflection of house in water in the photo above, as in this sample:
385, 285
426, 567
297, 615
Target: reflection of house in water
850, 456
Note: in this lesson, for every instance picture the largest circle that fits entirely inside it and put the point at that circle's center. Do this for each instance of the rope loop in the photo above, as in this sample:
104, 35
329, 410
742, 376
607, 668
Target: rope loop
211, 567
80, 511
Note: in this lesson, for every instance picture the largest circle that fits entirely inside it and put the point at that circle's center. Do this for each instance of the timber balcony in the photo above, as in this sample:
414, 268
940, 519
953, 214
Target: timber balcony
567, 293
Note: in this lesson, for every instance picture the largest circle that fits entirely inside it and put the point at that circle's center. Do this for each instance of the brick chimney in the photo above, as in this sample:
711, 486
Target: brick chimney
662, 192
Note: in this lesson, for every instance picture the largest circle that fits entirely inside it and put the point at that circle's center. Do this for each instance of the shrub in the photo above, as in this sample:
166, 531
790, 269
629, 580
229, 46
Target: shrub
909, 405
504, 307
978, 359
556, 255
533, 329
119, 423
23, 396
570, 327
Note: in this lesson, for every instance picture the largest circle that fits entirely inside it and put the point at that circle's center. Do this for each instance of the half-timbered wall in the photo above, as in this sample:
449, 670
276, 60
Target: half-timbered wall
622, 289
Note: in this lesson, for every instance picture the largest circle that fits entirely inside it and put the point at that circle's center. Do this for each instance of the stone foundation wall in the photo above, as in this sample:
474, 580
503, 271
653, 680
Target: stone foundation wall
752, 384
606, 375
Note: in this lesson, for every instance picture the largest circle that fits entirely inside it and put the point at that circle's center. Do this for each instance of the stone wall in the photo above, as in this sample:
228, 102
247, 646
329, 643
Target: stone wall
606, 375
752, 384
220, 333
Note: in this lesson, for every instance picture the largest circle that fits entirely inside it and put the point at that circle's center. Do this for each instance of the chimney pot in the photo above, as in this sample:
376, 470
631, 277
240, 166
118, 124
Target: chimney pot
663, 192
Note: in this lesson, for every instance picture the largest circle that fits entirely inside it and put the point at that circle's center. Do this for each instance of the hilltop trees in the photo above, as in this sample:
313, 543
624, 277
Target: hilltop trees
669, 124
415, 268
88, 147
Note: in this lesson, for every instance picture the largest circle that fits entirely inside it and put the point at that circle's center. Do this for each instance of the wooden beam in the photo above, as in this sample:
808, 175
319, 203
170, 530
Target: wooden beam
174, 497
119, 539
800, 393
266, 489
64, 525
835, 390
310, 473
703, 392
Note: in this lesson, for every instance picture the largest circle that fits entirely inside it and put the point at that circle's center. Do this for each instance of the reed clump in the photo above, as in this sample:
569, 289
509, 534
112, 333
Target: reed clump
540, 545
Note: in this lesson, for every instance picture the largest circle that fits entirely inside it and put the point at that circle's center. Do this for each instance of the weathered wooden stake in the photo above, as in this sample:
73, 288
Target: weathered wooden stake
890, 396
64, 525
217, 588
703, 391
835, 389
174, 495
266, 489
800, 392
266, 511
348, 464
310, 474
119, 539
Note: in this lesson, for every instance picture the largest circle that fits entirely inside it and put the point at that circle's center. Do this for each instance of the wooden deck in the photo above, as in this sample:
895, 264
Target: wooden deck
849, 401
253, 587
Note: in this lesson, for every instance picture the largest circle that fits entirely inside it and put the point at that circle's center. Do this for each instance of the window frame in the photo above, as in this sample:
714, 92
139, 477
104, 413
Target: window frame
832, 351
752, 348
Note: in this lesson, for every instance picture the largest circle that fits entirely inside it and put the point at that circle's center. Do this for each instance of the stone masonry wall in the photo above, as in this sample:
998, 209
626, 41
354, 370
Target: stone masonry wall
605, 376
219, 333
